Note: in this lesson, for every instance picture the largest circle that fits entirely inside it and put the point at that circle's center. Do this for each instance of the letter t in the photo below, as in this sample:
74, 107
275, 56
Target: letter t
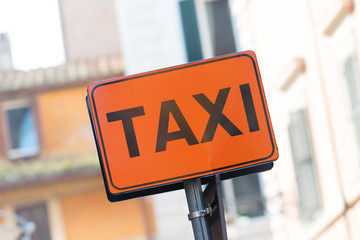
126, 117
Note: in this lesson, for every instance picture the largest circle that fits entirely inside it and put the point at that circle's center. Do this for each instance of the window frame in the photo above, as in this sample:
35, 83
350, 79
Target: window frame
295, 87
18, 153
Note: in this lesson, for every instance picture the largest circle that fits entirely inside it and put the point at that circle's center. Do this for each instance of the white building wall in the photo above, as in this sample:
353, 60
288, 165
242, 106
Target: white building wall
321, 34
170, 211
89, 28
151, 34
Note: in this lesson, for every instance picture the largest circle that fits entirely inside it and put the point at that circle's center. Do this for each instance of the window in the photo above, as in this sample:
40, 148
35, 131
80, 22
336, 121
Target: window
309, 201
38, 215
249, 200
221, 29
351, 73
22, 137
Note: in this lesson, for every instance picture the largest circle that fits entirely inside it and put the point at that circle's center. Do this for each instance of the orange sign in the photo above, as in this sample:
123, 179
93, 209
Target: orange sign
159, 128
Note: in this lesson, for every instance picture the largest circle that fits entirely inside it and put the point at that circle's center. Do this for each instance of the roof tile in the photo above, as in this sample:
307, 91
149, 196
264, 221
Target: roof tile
68, 72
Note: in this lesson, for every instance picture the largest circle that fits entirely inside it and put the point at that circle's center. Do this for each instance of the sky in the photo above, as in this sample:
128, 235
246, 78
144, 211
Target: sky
34, 30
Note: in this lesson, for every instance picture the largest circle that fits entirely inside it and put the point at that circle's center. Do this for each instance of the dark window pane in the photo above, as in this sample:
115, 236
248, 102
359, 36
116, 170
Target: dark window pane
248, 195
15, 120
22, 130
221, 30
309, 200
38, 215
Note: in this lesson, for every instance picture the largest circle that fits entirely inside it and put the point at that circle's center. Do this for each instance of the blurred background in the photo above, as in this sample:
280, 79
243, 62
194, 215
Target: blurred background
50, 181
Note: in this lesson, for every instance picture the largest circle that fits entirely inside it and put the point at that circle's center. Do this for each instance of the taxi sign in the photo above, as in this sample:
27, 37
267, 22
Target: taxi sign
156, 129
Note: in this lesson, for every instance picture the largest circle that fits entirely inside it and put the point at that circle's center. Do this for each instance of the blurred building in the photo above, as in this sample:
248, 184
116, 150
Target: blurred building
309, 59
49, 171
89, 28
308, 53
176, 32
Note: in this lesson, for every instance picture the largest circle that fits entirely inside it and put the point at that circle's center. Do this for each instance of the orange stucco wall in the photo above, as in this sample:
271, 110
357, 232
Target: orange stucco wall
64, 122
65, 130
90, 216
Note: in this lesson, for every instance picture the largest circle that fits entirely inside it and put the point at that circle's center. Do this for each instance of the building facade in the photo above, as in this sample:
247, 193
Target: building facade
309, 59
49, 171
89, 28
308, 52
180, 31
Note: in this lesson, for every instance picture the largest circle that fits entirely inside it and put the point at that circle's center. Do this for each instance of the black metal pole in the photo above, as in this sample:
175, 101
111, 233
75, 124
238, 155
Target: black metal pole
197, 209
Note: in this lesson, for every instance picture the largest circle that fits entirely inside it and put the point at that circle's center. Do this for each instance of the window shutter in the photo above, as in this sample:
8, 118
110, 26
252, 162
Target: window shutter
190, 30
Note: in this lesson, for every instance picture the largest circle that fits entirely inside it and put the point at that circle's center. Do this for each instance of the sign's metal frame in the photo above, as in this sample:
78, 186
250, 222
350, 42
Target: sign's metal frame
257, 165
